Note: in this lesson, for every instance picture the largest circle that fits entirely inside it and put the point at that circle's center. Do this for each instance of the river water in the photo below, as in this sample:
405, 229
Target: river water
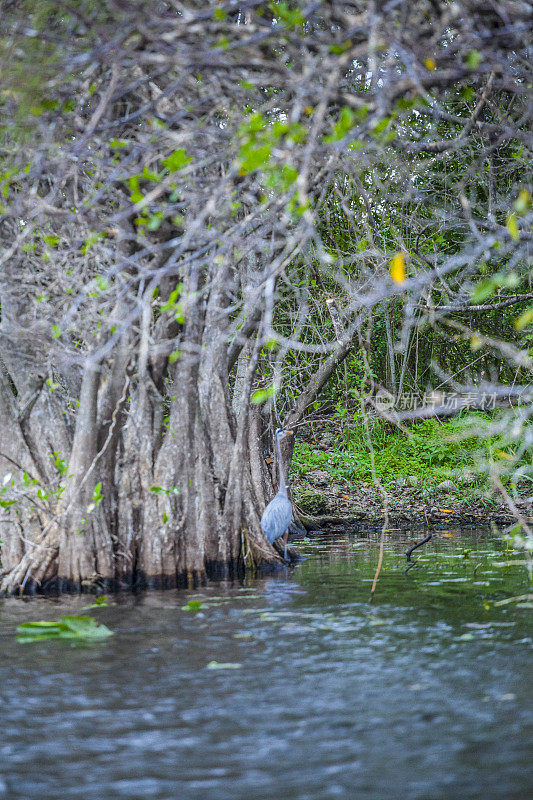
425, 693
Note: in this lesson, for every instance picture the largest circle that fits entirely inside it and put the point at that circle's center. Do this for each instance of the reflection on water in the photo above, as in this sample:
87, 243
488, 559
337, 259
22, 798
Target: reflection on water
425, 693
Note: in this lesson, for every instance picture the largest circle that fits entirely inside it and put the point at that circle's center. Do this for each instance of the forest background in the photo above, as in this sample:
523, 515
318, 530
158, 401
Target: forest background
218, 218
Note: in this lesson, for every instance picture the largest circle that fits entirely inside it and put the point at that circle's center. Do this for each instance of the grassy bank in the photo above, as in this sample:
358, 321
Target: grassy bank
434, 462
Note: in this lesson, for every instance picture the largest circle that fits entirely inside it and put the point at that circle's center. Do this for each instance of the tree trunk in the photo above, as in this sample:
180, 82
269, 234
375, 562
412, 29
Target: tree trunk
139, 503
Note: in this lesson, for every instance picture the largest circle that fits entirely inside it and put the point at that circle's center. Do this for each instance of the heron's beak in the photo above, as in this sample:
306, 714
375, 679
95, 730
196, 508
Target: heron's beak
289, 433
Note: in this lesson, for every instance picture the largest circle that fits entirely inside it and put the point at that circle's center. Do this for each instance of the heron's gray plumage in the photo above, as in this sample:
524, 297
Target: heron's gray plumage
277, 515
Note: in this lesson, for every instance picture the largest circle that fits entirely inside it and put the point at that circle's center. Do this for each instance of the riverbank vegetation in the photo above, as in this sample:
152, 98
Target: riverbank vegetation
219, 218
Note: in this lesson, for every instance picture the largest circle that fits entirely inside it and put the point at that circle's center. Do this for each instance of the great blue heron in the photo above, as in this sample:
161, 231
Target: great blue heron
277, 515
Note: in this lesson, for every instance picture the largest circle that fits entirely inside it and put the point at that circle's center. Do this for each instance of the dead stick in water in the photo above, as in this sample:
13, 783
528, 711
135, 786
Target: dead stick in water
422, 541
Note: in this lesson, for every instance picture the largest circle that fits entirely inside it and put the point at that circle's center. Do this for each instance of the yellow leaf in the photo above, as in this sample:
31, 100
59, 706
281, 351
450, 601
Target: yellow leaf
524, 319
446, 510
502, 454
429, 64
397, 268
512, 226
523, 202
475, 343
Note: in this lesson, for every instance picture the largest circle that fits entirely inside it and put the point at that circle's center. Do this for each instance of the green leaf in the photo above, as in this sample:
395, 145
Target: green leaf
261, 395
150, 175
254, 124
221, 665
155, 221
486, 287
193, 605
176, 160
343, 125
285, 15
473, 59
100, 602
91, 240
254, 158
339, 49
160, 490
381, 125
68, 627
51, 241
173, 357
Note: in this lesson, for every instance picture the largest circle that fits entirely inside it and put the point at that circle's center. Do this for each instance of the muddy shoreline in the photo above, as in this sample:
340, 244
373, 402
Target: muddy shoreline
370, 521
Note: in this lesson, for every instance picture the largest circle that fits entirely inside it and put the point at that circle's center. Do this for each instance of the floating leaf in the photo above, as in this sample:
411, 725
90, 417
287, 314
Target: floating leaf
192, 605
69, 627
100, 602
227, 665
522, 598
397, 268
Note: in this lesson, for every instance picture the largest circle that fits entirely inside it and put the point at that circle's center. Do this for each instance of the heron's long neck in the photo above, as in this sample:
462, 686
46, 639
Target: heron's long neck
282, 484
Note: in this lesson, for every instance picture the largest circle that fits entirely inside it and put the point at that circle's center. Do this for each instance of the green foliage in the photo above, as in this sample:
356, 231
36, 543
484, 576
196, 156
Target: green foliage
174, 305
288, 17
343, 125
433, 451
91, 240
258, 139
262, 395
473, 59
80, 628
168, 492
486, 287
176, 160
96, 498
59, 462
